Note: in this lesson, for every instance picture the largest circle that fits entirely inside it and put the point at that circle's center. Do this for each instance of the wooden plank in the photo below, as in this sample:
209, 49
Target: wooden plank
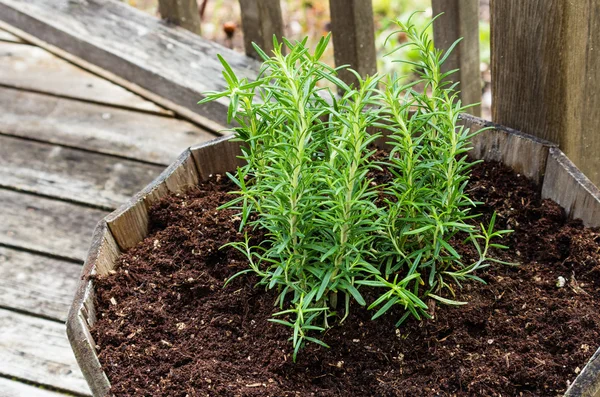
45, 225
11, 38
129, 223
71, 174
101, 259
37, 350
182, 13
37, 284
98, 128
570, 188
353, 32
11, 388
217, 156
172, 63
587, 383
546, 74
32, 68
460, 20
525, 154
261, 19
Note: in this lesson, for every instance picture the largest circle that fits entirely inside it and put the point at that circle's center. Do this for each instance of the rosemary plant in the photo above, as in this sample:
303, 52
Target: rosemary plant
307, 185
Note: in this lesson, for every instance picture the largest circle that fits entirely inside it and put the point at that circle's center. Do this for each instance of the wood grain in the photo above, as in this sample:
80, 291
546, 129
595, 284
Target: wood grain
11, 388
37, 284
71, 174
37, 350
217, 156
97, 128
353, 34
9, 37
129, 223
460, 20
525, 154
546, 74
172, 63
571, 189
182, 13
45, 225
31, 68
261, 20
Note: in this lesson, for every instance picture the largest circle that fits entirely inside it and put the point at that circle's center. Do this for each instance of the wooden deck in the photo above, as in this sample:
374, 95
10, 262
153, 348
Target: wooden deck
73, 146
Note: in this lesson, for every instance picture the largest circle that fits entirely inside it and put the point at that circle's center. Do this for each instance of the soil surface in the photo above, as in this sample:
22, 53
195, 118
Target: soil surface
167, 327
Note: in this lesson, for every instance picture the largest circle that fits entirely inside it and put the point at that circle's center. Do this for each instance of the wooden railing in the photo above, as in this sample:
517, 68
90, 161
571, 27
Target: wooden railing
545, 62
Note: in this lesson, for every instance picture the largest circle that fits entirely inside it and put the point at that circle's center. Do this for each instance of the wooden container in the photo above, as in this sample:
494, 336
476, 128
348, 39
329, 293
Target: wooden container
537, 159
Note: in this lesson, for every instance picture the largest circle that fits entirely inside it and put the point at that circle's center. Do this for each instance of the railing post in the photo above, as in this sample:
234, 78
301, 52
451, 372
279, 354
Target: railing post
353, 34
460, 19
546, 74
182, 13
261, 19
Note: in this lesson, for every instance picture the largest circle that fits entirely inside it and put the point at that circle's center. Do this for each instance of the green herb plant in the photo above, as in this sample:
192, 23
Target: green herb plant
331, 231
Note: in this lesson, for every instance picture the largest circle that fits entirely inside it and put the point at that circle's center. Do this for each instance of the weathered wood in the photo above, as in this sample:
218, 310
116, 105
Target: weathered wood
182, 13
11, 388
587, 383
37, 350
525, 154
45, 225
460, 20
31, 68
71, 174
546, 74
37, 284
353, 33
129, 223
172, 63
9, 37
261, 20
570, 188
217, 156
98, 128
101, 259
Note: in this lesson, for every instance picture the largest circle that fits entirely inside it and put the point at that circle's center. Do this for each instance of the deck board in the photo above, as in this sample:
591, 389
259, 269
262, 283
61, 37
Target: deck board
32, 68
37, 284
37, 350
10, 388
71, 174
44, 225
96, 128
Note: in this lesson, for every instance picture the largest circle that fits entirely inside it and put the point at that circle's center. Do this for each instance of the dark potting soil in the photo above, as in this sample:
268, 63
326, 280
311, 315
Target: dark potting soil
167, 327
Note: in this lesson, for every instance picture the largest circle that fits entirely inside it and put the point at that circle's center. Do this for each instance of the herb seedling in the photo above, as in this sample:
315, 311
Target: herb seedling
307, 185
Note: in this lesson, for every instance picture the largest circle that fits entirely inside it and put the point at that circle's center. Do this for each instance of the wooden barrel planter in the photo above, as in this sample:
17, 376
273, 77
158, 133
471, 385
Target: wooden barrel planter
537, 159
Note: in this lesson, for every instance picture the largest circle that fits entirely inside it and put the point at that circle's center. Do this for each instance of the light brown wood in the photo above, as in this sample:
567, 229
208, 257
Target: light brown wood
12, 388
98, 128
129, 223
105, 74
261, 20
217, 156
571, 189
71, 174
460, 20
172, 63
32, 68
546, 74
525, 154
37, 284
37, 350
45, 225
353, 34
182, 13
9, 37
